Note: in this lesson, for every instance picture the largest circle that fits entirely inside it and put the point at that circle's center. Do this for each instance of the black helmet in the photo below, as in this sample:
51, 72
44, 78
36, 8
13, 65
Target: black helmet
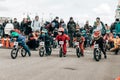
78, 35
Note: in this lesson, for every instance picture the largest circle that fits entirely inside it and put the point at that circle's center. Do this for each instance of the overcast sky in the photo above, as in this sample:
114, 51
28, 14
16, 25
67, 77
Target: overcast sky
81, 10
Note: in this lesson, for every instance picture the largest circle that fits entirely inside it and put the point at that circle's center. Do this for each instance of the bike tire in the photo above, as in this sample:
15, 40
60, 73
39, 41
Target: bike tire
60, 52
14, 53
96, 55
41, 52
23, 53
78, 52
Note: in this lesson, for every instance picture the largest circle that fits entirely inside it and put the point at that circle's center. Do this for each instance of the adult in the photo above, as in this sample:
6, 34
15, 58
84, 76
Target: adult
16, 24
55, 23
117, 27
71, 26
25, 27
9, 26
99, 25
35, 25
4, 24
33, 42
1, 29
62, 24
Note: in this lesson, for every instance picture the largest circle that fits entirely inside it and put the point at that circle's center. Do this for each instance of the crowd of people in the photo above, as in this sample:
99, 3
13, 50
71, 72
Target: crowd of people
69, 33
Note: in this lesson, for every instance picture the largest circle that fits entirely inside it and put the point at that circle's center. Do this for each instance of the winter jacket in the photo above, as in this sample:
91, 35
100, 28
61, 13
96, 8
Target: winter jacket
117, 28
35, 25
71, 27
16, 25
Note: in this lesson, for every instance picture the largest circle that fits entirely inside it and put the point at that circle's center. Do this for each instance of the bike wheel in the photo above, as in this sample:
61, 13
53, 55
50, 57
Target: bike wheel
96, 55
60, 52
78, 52
41, 52
14, 53
23, 53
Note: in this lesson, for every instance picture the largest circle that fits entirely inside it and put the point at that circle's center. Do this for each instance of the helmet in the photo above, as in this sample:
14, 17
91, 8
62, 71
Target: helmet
78, 35
97, 34
61, 29
83, 31
14, 34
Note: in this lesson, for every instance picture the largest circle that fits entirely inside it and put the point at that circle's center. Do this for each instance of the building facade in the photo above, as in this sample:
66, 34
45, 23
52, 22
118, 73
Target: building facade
117, 16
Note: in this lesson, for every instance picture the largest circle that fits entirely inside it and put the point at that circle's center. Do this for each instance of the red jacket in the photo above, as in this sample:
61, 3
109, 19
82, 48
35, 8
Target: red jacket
63, 37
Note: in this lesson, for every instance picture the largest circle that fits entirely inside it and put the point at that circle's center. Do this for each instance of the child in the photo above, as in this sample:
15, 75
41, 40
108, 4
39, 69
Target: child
100, 41
81, 41
47, 39
63, 37
21, 40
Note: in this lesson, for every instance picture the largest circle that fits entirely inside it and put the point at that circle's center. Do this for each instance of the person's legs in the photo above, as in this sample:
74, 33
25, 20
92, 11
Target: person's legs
82, 48
26, 48
64, 49
47, 50
71, 39
105, 56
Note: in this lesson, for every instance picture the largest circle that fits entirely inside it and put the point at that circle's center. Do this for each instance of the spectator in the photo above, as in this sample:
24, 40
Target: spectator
62, 24
16, 24
33, 40
71, 26
117, 27
4, 24
9, 26
100, 26
36, 24
107, 27
55, 23
1, 29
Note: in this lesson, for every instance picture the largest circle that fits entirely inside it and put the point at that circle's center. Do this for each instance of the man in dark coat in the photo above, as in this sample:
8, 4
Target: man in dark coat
71, 26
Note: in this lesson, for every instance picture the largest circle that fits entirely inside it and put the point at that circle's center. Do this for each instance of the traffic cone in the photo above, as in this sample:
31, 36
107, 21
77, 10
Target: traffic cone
7, 42
118, 78
3, 42
11, 44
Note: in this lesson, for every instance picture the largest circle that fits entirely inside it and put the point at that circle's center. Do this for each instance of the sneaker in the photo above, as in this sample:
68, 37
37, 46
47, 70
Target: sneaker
29, 54
82, 55
46, 54
105, 57
64, 55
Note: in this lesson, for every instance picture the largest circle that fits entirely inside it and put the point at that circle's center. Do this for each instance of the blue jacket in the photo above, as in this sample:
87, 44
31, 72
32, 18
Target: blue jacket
21, 39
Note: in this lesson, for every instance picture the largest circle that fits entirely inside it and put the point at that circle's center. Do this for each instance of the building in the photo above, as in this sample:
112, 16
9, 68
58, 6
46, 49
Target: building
117, 16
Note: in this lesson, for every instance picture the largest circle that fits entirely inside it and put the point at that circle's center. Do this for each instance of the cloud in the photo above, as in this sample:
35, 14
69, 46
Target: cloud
2, 0
103, 9
62, 8
3, 8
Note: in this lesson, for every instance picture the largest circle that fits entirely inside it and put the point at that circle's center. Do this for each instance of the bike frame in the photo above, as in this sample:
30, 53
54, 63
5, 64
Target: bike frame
77, 45
61, 43
42, 45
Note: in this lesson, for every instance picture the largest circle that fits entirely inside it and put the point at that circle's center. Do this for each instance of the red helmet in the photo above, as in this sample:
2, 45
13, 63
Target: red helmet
97, 33
61, 29
118, 78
